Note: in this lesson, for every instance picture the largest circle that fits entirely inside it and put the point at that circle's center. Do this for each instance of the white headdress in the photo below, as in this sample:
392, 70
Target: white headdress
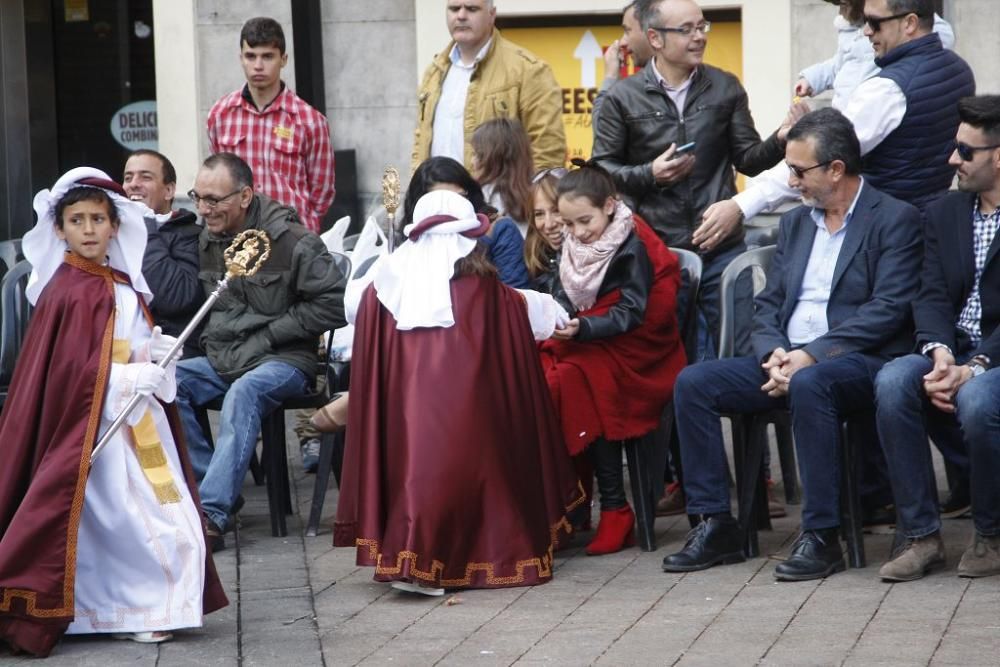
45, 250
414, 283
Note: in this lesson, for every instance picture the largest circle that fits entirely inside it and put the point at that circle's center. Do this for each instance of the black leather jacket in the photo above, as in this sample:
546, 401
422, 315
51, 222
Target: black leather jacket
631, 272
638, 122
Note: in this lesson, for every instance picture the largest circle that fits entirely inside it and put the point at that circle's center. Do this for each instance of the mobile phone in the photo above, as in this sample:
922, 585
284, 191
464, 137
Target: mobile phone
684, 149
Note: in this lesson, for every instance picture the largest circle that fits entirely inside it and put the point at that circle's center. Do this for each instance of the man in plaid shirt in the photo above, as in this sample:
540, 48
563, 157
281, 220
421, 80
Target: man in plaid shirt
284, 140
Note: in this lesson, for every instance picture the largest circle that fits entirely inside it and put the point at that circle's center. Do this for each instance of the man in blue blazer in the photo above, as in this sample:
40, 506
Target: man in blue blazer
950, 388
836, 307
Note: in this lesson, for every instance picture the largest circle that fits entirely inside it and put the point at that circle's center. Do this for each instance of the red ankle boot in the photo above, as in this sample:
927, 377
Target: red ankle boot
615, 532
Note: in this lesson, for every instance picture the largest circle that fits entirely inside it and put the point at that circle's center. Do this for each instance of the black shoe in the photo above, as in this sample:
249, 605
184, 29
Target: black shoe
816, 554
884, 515
958, 504
715, 541
214, 538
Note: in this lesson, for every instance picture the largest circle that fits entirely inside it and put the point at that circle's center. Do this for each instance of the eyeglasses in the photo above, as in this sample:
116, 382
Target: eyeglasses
800, 172
704, 28
875, 22
209, 201
967, 152
554, 172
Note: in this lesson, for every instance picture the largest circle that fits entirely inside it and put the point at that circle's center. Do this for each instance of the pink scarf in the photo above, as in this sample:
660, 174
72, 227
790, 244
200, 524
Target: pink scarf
583, 265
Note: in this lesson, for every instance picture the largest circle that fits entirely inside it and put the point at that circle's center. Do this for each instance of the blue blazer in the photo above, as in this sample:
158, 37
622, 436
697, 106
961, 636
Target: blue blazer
875, 281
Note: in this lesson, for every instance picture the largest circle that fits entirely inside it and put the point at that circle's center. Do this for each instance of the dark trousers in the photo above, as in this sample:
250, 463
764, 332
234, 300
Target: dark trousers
818, 398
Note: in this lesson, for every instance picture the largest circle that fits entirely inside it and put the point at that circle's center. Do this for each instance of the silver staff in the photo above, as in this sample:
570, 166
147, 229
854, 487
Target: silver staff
248, 251
390, 199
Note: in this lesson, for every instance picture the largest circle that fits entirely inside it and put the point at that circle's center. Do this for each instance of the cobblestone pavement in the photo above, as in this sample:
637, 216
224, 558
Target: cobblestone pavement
297, 601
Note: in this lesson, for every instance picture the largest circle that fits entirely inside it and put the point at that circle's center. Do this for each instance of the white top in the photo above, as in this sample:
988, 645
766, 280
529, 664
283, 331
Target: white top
876, 109
808, 321
679, 94
448, 137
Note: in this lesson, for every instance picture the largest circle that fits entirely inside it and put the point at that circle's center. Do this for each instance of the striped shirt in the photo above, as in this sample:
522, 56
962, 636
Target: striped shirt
287, 145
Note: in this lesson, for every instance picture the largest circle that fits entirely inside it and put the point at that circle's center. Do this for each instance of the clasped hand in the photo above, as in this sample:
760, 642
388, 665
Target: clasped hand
780, 367
944, 380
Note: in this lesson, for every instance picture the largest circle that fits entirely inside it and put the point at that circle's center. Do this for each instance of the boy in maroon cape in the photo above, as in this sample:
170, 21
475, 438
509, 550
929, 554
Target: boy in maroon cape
116, 545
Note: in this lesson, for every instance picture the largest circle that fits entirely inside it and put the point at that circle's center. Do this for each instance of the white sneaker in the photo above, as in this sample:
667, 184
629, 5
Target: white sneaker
417, 588
145, 637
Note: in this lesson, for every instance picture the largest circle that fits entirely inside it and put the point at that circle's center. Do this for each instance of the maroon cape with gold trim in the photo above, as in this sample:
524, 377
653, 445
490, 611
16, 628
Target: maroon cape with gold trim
47, 430
616, 387
455, 473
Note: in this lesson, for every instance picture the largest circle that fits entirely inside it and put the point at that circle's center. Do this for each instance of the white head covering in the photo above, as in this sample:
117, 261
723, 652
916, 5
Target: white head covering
46, 251
414, 283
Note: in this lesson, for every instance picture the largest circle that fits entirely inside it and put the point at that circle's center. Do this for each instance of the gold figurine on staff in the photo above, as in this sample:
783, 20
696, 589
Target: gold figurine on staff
390, 199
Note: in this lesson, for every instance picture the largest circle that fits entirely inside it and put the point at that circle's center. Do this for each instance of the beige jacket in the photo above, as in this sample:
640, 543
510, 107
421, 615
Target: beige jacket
510, 81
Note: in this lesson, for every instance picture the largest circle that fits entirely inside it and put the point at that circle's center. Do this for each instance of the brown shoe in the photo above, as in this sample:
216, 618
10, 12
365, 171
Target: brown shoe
672, 502
775, 508
332, 417
919, 557
982, 558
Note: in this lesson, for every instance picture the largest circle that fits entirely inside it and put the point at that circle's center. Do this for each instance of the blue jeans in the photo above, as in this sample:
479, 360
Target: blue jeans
818, 397
906, 419
249, 399
977, 405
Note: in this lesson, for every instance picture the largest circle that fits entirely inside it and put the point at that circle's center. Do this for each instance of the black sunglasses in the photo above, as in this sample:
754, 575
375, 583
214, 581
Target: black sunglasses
967, 152
875, 22
800, 172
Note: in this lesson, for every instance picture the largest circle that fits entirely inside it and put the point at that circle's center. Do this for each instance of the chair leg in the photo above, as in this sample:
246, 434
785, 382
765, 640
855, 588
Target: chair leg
201, 414
322, 480
786, 458
339, 446
851, 519
751, 492
276, 472
256, 470
644, 505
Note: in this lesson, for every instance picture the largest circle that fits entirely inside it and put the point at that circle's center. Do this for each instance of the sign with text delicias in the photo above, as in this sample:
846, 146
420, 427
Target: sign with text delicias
134, 126
576, 55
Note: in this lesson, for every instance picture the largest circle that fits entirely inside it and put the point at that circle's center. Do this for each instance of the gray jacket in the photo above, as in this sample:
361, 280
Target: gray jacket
278, 313
638, 121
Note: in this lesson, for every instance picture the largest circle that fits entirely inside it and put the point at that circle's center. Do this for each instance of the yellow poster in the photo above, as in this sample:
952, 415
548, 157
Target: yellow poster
76, 10
576, 56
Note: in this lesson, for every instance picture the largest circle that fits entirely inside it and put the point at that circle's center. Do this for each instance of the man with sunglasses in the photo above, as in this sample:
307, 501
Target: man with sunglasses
260, 337
950, 388
905, 117
834, 310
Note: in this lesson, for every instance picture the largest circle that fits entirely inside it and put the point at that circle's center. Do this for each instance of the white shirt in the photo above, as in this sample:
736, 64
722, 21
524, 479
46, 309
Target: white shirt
808, 321
448, 135
876, 109
679, 94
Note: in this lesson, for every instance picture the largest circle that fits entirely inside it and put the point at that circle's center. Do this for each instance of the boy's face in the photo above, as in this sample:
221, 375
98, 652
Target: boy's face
262, 65
87, 229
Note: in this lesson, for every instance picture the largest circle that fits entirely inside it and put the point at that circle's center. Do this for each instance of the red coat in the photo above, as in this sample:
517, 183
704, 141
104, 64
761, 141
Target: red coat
617, 387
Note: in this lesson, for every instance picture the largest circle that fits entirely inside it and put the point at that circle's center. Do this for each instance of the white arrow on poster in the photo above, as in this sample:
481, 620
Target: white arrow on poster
588, 52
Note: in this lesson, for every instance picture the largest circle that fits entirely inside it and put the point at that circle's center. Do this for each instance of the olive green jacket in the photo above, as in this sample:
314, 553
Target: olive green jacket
508, 82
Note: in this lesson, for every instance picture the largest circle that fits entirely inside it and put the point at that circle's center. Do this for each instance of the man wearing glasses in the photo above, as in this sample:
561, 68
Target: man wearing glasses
677, 100
950, 388
905, 117
260, 337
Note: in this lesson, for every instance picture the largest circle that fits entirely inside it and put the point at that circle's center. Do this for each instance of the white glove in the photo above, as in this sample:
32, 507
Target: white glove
149, 378
159, 344
562, 317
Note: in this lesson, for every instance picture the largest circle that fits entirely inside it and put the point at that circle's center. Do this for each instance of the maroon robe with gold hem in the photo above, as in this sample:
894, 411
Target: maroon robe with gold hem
455, 474
48, 428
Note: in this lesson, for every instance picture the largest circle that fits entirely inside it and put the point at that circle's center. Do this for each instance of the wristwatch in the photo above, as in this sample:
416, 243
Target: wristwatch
979, 364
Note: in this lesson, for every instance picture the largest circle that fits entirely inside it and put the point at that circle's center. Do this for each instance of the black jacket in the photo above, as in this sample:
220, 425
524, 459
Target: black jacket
170, 267
631, 272
948, 276
638, 122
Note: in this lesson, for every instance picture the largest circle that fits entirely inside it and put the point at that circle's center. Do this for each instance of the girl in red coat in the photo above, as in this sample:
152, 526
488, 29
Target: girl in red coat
611, 370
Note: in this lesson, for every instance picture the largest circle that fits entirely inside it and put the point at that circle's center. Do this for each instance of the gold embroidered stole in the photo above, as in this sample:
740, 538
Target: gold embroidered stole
146, 441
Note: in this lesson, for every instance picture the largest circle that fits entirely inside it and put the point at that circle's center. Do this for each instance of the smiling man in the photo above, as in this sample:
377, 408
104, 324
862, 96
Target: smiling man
260, 337
285, 141
170, 264
482, 76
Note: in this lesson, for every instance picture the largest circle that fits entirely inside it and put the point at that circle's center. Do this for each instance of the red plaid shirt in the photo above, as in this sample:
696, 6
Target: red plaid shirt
287, 146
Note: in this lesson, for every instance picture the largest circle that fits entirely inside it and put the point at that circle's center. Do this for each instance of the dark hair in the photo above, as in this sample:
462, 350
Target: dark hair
922, 8
631, 5
855, 10
983, 113
440, 170
648, 13
834, 138
85, 193
536, 248
238, 170
476, 263
590, 180
503, 160
169, 173
263, 31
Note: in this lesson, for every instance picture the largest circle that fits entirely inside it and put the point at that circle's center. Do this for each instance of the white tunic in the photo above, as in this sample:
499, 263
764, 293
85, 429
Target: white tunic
140, 565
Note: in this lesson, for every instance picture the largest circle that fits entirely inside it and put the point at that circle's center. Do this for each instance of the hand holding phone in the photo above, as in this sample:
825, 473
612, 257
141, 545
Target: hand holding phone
684, 149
